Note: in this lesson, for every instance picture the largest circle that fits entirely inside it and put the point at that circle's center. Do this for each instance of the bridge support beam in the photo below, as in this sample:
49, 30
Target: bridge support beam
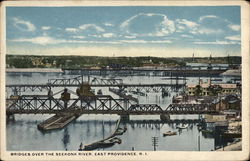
165, 117
10, 117
124, 118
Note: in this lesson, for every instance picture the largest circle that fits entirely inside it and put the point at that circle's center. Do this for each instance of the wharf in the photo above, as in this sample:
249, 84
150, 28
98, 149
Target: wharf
57, 121
129, 97
236, 146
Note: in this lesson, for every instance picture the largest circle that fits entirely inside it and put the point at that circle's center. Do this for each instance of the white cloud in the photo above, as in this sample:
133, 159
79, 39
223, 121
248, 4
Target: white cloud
184, 25
108, 24
42, 40
45, 27
126, 23
234, 27
163, 27
146, 42
78, 37
187, 36
108, 35
46, 40
72, 29
217, 42
85, 27
130, 36
233, 38
23, 25
211, 24
208, 31
189, 24
98, 36
93, 26
207, 16
180, 28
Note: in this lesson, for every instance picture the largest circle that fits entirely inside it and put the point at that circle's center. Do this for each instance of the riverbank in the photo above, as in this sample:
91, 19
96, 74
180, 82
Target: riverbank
34, 70
237, 146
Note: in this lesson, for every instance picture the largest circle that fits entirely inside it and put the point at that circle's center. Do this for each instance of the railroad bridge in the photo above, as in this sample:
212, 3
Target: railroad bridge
105, 104
199, 71
17, 89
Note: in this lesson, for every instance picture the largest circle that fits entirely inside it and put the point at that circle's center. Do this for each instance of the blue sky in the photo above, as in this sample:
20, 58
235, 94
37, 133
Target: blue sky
164, 31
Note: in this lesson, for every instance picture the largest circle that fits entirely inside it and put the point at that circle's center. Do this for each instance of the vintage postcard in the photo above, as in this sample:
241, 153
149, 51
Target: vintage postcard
124, 80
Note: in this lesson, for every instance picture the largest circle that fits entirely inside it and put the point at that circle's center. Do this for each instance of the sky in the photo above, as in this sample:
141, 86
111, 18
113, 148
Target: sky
164, 31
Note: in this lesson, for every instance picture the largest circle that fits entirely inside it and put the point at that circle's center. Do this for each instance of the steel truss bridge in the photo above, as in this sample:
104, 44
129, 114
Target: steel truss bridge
93, 82
18, 88
41, 104
185, 71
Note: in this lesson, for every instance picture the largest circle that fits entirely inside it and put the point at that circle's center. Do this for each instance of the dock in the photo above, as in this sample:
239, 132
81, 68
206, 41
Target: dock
57, 121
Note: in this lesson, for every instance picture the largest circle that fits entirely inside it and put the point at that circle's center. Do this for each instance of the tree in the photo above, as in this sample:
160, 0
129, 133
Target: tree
198, 90
214, 89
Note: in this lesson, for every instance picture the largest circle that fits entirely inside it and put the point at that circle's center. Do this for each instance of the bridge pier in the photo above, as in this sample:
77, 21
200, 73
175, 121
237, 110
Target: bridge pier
10, 117
165, 117
124, 118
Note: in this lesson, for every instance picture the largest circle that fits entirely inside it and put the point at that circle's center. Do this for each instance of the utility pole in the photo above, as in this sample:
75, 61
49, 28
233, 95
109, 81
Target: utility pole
155, 142
199, 146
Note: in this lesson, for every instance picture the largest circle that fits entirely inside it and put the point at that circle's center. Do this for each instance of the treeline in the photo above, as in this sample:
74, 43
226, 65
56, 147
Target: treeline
25, 61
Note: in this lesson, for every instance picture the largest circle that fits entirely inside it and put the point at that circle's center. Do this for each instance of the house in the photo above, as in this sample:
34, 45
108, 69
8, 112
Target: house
227, 102
207, 89
215, 122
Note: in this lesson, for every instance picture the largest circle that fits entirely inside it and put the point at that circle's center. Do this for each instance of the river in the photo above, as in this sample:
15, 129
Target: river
23, 135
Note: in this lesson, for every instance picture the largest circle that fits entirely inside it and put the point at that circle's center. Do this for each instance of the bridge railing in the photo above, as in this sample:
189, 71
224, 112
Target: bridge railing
45, 104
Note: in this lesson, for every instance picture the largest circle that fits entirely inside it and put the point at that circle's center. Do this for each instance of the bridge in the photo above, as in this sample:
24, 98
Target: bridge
105, 104
18, 88
199, 71
94, 82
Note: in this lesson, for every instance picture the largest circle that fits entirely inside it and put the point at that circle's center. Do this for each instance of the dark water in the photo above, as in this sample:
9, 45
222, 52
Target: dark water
22, 133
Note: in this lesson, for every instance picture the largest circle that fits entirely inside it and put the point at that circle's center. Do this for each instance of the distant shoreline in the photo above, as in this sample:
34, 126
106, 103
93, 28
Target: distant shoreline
34, 70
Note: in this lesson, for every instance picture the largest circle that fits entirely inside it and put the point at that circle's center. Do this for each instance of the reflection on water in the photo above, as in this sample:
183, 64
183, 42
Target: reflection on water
66, 138
23, 134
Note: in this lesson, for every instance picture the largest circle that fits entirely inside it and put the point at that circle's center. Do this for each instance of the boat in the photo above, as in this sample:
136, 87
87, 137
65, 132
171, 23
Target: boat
116, 140
101, 144
183, 126
98, 145
120, 131
169, 133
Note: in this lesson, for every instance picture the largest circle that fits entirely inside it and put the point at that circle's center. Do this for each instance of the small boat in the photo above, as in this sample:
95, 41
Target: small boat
183, 126
169, 133
116, 140
101, 144
120, 131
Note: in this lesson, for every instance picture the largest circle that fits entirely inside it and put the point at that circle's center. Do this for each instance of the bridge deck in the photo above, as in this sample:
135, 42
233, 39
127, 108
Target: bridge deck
97, 105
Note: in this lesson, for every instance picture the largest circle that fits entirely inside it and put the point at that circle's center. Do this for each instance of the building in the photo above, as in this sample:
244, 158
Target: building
227, 102
208, 89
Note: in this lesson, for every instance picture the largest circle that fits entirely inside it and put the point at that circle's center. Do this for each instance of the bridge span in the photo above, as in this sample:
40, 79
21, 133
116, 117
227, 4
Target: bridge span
105, 104
17, 89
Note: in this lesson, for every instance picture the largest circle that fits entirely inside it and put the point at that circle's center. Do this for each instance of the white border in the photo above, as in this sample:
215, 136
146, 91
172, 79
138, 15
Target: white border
159, 155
